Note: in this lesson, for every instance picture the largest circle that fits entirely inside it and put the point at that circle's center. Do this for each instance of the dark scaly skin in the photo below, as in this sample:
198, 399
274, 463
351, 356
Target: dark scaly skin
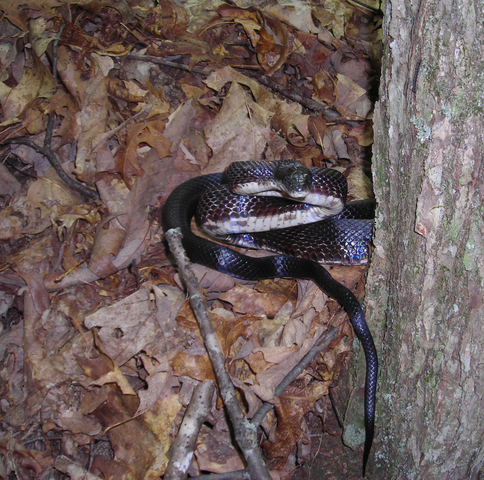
178, 212
341, 239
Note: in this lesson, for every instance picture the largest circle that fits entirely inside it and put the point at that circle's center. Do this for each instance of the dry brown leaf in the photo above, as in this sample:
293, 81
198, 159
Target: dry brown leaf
159, 383
198, 367
292, 127
325, 87
127, 326
125, 90
103, 371
77, 423
129, 208
359, 185
52, 355
212, 281
317, 129
349, 277
92, 399
248, 18
185, 131
275, 354
26, 459
50, 190
106, 246
75, 223
160, 418
185, 318
356, 69
244, 300
363, 133
257, 364
74, 470
169, 300
11, 226
215, 452
228, 11
128, 163
273, 46
339, 144
11, 368
353, 101
65, 108
37, 81
240, 131
290, 410
238, 332
299, 15
136, 447
167, 20
271, 377
333, 358
90, 91
262, 95
9, 185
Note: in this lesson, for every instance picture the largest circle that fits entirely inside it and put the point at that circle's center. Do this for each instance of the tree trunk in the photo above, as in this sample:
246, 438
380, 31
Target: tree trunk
424, 292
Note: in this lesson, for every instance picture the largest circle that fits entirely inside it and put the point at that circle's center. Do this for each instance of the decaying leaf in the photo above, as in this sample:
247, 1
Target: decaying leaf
216, 454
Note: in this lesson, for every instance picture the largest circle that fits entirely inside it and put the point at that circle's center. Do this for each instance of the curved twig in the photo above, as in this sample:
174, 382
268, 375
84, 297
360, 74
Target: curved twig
326, 338
46, 149
328, 114
54, 161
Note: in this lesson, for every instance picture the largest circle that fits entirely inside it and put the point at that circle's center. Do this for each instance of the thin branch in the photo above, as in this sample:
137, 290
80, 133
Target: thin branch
238, 475
335, 408
245, 433
184, 445
328, 114
54, 53
49, 131
364, 6
326, 338
167, 63
50, 122
54, 161
73, 469
46, 149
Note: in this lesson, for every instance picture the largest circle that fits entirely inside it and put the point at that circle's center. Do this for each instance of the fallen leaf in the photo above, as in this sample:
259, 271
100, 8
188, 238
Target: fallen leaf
216, 454
239, 131
37, 81
246, 300
50, 190
198, 367
127, 326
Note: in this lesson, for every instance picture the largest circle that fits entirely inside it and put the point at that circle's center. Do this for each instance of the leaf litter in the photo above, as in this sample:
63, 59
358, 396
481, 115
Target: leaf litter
99, 348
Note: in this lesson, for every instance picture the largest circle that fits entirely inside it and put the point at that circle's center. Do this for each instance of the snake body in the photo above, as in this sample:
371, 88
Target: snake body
178, 211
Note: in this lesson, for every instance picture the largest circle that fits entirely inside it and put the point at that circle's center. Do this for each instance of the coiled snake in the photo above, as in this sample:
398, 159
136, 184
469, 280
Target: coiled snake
339, 239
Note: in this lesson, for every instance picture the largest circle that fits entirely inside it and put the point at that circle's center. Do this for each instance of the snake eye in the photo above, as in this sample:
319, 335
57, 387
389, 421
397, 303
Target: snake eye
297, 181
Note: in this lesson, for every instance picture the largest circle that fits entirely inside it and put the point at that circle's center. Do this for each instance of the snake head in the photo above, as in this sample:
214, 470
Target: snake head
294, 179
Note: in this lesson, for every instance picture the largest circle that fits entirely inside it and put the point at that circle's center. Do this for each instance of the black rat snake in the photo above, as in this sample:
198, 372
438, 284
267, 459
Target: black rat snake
341, 230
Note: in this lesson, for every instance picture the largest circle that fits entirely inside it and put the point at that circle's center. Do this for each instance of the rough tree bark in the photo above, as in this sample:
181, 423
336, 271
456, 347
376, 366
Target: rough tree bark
427, 275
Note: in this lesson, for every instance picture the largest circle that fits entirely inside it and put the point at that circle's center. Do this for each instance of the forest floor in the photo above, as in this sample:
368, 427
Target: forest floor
106, 107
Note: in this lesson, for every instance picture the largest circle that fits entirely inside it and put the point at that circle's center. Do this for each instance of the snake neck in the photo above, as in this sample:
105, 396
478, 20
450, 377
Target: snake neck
182, 202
